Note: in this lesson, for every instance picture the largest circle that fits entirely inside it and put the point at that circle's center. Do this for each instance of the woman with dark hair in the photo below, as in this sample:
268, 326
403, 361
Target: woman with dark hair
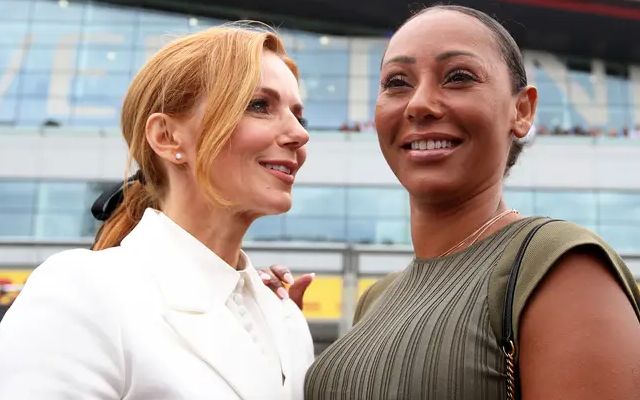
495, 305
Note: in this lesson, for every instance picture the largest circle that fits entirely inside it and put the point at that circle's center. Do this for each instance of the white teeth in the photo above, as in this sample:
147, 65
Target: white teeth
280, 168
431, 144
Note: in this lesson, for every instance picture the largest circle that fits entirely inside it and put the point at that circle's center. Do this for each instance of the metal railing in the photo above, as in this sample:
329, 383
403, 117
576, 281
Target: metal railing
350, 261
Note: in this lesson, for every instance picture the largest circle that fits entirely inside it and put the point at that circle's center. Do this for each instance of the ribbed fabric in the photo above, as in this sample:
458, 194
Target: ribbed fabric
429, 334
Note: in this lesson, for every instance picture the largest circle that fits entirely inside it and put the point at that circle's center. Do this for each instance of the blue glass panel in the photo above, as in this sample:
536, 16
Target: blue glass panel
34, 111
619, 118
624, 238
376, 52
61, 196
154, 37
303, 41
44, 60
9, 83
13, 33
116, 38
374, 87
579, 207
51, 10
107, 14
323, 229
586, 81
377, 202
140, 57
17, 196
550, 117
8, 110
38, 84
379, 231
578, 117
12, 59
204, 23
47, 34
91, 86
14, 10
105, 60
618, 92
619, 207
318, 201
549, 94
326, 87
521, 200
60, 225
325, 114
267, 228
98, 112
323, 63
16, 223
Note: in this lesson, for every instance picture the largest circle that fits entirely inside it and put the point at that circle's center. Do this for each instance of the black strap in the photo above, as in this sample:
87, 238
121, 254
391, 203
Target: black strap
508, 342
507, 316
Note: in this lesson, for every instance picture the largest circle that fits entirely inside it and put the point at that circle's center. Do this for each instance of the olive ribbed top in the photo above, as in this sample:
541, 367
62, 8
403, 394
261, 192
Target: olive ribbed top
430, 331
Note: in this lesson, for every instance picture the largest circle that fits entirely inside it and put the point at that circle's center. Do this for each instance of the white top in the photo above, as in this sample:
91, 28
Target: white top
155, 318
242, 301
244, 306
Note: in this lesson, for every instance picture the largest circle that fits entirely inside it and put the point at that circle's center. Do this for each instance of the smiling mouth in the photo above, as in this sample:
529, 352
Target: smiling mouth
276, 167
430, 144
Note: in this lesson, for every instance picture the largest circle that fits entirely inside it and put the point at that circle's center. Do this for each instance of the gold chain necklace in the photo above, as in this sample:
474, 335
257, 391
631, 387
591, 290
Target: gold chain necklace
478, 232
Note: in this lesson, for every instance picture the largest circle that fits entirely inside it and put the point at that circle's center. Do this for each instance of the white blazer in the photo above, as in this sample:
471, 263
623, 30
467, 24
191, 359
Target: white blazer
145, 320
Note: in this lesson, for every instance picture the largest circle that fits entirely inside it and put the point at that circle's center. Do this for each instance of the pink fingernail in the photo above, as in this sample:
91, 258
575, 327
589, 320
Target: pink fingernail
282, 293
288, 278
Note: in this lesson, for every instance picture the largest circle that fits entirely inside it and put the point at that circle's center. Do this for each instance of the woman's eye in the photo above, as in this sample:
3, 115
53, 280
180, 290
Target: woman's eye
460, 76
395, 81
303, 121
258, 106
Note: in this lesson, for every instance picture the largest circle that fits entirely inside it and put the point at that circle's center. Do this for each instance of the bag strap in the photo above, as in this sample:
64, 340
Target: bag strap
508, 344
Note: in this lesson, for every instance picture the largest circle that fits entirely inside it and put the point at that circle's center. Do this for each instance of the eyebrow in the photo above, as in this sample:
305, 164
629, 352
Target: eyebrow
440, 57
297, 107
454, 53
400, 60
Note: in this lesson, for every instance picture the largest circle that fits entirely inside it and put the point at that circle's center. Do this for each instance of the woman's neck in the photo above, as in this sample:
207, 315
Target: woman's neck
437, 228
220, 229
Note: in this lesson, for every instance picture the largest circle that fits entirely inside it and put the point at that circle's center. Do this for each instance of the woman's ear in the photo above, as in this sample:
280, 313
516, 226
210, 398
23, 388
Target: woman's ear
164, 139
525, 111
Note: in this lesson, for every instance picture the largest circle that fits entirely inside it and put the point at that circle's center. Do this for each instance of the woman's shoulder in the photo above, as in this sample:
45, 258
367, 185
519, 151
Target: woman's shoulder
82, 262
80, 275
552, 240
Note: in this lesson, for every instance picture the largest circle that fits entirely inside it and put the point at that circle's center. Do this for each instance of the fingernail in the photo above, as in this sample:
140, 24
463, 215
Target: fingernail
313, 275
264, 277
282, 293
288, 278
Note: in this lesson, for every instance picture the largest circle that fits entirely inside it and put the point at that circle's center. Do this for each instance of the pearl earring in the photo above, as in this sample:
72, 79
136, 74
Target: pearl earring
178, 156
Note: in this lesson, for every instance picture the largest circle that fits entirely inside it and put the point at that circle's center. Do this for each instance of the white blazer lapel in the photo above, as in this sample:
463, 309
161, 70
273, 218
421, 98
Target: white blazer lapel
195, 292
218, 339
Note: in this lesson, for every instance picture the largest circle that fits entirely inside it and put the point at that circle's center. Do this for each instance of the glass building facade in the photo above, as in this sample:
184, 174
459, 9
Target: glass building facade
68, 63
59, 210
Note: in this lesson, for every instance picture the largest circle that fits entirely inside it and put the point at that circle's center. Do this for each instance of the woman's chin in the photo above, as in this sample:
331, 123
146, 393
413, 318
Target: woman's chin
275, 206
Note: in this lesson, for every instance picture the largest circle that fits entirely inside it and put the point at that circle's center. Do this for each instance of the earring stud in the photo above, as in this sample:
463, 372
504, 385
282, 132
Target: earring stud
178, 156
